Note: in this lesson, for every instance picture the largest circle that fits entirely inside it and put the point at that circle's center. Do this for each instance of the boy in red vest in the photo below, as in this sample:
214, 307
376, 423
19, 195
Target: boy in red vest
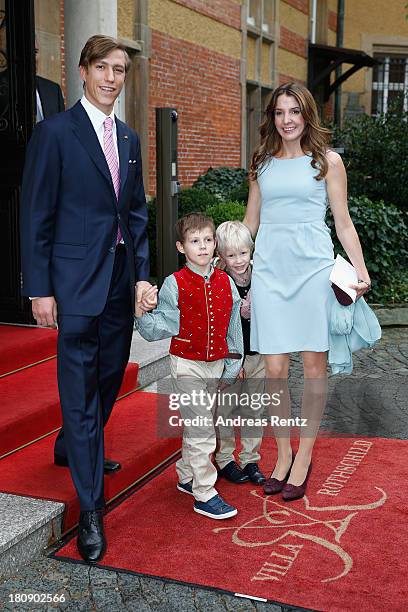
199, 307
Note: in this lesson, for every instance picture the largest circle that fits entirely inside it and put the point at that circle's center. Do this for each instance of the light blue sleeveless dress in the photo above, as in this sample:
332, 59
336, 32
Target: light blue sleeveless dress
293, 258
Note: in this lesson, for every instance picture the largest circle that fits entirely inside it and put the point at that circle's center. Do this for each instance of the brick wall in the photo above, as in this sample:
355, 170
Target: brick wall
293, 42
285, 78
204, 86
225, 11
301, 5
332, 21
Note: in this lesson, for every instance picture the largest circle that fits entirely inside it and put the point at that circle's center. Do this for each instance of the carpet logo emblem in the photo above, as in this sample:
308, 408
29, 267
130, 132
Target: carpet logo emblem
278, 526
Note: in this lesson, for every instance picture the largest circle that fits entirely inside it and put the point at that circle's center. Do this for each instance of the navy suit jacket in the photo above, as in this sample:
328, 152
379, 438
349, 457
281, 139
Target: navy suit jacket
51, 97
70, 215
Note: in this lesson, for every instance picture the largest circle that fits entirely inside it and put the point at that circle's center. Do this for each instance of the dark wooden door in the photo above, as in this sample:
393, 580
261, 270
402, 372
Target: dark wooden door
17, 118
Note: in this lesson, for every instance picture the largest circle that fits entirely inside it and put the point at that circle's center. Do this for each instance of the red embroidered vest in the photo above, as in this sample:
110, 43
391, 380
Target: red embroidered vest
205, 312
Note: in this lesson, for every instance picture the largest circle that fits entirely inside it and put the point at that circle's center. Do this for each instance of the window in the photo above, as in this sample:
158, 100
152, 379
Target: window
254, 13
268, 16
260, 62
261, 15
390, 80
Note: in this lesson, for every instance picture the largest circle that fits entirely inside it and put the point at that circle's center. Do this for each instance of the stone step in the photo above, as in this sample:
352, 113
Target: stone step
391, 314
27, 527
152, 357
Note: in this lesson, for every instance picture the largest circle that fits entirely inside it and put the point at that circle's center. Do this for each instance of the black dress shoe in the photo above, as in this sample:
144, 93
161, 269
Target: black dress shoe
109, 466
255, 475
233, 473
91, 538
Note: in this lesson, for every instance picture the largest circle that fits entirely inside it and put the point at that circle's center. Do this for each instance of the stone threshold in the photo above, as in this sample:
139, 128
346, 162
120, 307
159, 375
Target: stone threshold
391, 314
27, 527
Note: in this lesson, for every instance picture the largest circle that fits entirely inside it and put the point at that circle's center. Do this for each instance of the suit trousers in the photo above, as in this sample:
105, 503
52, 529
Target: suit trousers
251, 435
92, 356
192, 377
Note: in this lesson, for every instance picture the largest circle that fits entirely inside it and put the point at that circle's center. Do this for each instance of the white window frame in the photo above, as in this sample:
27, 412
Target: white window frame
385, 86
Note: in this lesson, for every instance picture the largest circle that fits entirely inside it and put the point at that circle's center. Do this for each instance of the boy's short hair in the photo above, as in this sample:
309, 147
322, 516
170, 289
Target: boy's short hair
233, 236
194, 221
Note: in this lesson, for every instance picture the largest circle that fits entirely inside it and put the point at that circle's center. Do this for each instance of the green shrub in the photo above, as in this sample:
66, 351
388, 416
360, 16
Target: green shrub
194, 200
376, 155
383, 233
240, 194
221, 181
226, 211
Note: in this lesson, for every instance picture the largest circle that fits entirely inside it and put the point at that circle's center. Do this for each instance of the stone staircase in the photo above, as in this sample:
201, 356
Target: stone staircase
27, 525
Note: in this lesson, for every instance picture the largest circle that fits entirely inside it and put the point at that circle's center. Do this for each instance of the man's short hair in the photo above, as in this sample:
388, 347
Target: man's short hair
233, 236
98, 47
193, 222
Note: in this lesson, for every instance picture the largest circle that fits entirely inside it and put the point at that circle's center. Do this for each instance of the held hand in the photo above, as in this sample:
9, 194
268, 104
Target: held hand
362, 287
147, 302
242, 374
45, 311
138, 311
149, 299
140, 287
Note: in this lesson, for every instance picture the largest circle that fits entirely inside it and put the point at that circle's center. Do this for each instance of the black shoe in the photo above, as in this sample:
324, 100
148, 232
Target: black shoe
255, 475
109, 466
233, 473
91, 539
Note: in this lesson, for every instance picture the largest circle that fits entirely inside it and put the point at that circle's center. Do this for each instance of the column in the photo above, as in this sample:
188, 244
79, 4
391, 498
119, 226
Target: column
82, 20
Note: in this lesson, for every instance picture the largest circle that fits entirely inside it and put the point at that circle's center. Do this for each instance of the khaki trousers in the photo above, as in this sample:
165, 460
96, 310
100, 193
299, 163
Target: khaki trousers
199, 440
253, 383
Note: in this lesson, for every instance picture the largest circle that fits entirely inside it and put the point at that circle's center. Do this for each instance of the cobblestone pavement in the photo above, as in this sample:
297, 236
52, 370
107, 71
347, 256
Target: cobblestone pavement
371, 401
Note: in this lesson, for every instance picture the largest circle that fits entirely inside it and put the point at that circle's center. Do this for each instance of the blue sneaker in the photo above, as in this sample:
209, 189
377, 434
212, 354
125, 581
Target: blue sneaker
215, 508
185, 487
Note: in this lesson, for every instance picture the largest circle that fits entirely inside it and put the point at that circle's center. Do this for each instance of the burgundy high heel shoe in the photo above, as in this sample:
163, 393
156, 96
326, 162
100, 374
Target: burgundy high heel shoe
272, 486
291, 492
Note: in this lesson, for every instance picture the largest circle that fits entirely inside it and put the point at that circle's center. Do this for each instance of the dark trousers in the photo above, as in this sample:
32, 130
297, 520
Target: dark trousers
92, 356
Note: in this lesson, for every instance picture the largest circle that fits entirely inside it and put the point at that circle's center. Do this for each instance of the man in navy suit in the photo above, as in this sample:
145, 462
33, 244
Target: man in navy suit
84, 252
49, 98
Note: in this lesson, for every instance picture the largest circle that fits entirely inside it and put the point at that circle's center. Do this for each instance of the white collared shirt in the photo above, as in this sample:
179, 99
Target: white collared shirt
40, 112
97, 118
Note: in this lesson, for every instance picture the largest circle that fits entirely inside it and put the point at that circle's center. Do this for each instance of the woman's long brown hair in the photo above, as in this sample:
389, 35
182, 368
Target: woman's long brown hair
315, 138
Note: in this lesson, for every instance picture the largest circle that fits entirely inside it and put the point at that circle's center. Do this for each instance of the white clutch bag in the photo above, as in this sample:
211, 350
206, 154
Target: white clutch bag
342, 276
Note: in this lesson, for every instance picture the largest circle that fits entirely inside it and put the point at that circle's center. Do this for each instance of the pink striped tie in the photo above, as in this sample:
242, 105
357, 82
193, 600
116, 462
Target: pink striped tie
112, 161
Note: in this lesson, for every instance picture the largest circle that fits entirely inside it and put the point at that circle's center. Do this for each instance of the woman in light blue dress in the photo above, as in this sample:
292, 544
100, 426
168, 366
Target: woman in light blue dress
294, 176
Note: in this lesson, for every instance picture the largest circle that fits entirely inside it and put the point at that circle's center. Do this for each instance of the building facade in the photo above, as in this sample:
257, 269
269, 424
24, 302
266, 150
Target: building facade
217, 62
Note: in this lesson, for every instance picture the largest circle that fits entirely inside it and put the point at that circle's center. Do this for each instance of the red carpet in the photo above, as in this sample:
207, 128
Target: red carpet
22, 346
131, 438
341, 552
30, 403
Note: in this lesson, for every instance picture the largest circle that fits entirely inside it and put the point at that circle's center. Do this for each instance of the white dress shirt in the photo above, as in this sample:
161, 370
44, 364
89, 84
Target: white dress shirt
40, 112
97, 118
